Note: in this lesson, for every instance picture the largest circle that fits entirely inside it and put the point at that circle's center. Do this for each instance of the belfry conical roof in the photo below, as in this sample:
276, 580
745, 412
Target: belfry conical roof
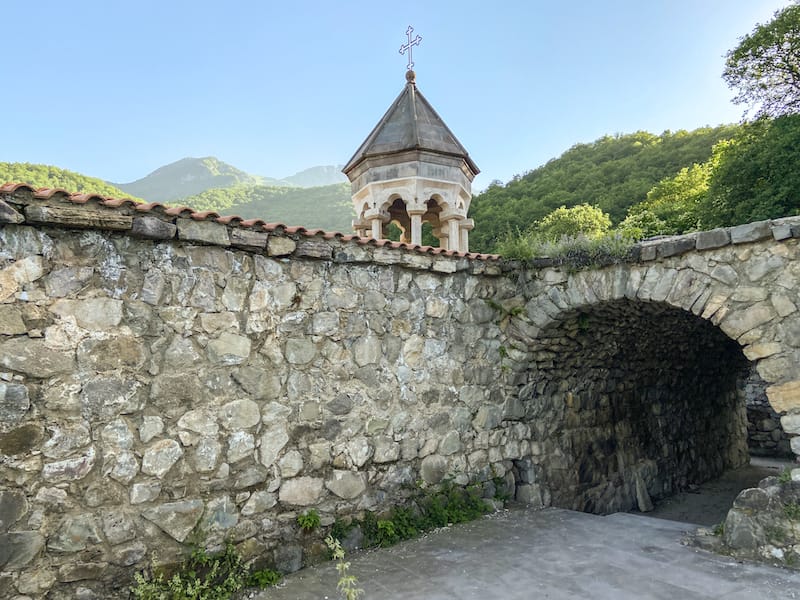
411, 123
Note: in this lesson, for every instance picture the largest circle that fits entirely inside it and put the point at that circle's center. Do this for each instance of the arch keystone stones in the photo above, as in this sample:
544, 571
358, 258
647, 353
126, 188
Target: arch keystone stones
785, 397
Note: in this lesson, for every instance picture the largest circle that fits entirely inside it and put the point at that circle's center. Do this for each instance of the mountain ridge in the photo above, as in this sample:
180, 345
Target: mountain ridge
190, 176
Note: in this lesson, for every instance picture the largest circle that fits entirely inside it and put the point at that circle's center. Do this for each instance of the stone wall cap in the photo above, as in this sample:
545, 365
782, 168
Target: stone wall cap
21, 193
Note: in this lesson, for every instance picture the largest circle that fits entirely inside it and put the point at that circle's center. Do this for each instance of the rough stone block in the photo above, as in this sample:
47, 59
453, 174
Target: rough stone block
177, 519
301, 491
416, 260
740, 322
433, 468
648, 250
280, 246
18, 548
79, 216
784, 397
715, 238
347, 484
14, 402
206, 232
16, 275
98, 314
9, 215
781, 231
314, 248
750, 232
249, 239
677, 245
11, 322
791, 423
387, 256
13, 506
153, 228
444, 265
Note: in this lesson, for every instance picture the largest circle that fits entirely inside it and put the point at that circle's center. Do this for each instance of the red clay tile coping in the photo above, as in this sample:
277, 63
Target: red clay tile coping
230, 220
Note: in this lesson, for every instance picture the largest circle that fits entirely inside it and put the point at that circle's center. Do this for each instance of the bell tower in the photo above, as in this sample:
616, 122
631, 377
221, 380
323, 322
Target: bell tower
411, 169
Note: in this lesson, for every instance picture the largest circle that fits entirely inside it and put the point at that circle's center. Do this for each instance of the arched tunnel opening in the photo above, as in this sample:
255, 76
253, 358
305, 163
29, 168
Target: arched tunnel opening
634, 402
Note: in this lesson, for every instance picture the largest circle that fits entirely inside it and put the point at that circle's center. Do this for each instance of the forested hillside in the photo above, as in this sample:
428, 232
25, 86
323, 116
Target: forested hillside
612, 173
38, 176
326, 207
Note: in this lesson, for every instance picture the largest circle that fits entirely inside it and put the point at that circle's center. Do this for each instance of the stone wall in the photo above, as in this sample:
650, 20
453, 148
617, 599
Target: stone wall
152, 389
166, 373
765, 434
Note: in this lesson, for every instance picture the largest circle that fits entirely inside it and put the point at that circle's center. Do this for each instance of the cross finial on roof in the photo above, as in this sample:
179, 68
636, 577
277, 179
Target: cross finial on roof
409, 45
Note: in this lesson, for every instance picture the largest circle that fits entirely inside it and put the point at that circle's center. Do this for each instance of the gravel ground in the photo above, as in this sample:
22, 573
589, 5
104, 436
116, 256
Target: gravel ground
709, 503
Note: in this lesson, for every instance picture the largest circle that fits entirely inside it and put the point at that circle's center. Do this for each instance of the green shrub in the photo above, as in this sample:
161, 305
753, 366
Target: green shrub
429, 509
308, 520
792, 511
203, 576
577, 251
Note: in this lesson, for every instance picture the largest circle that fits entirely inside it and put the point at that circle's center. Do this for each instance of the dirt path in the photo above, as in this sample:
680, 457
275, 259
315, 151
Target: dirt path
710, 502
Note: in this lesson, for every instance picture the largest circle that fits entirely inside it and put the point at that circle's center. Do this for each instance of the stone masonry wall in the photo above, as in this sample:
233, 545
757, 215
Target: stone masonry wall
151, 389
163, 374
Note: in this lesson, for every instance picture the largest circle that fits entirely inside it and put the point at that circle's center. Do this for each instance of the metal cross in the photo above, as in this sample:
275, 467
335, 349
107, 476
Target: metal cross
408, 46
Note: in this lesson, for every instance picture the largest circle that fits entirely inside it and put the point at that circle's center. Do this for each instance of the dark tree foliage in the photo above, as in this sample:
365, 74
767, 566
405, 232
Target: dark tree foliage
612, 173
765, 67
757, 176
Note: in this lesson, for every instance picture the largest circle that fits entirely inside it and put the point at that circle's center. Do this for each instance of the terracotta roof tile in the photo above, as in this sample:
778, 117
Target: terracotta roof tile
10, 188
229, 220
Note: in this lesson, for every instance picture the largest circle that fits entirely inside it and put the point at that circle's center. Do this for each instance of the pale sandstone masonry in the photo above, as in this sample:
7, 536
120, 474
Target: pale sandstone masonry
162, 374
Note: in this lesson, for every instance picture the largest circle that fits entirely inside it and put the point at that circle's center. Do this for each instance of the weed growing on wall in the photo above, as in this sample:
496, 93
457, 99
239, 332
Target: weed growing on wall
447, 505
578, 251
204, 576
309, 520
792, 511
785, 476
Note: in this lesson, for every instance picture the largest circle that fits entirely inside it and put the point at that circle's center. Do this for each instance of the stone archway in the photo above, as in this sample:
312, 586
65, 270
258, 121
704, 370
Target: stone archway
609, 346
647, 400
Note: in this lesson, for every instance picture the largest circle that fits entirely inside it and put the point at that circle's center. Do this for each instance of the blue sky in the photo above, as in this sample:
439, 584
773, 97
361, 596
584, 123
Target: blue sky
117, 89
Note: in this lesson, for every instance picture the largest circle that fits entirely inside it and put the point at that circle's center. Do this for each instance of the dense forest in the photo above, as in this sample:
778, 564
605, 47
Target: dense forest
641, 185
38, 176
612, 173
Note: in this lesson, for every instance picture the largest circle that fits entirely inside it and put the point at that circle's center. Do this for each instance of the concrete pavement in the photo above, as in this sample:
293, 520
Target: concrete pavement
549, 554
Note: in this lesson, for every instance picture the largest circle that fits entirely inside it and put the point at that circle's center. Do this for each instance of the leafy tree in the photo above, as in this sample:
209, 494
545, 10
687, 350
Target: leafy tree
765, 66
672, 206
582, 219
756, 176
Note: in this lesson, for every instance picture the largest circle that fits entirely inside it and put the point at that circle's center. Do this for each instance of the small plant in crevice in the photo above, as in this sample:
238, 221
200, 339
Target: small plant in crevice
309, 520
429, 509
785, 476
719, 529
775, 533
203, 576
347, 583
792, 510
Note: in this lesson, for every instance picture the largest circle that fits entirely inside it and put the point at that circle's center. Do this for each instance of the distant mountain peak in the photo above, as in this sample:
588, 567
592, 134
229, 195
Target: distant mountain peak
190, 176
